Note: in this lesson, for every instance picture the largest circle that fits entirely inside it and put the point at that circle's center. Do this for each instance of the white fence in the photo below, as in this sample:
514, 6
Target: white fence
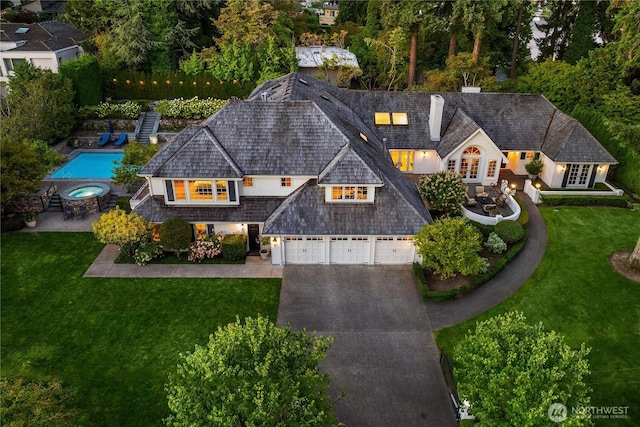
493, 220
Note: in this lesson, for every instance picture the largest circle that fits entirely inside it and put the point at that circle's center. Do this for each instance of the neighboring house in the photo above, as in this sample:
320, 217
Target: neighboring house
328, 13
44, 44
319, 170
49, 7
325, 61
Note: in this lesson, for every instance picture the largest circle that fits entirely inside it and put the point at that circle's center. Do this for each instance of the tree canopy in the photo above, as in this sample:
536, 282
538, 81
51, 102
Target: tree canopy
252, 373
512, 372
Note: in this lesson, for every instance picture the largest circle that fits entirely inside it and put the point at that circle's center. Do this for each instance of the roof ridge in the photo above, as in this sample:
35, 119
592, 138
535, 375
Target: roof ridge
222, 150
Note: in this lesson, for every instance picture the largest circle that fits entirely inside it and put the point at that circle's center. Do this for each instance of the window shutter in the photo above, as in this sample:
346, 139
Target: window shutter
169, 186
593, 175
231, 185
565, 178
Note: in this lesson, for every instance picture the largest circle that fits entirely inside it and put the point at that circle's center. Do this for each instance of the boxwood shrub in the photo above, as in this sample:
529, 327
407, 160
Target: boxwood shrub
509, 231
234, 246
175, 234
610, 201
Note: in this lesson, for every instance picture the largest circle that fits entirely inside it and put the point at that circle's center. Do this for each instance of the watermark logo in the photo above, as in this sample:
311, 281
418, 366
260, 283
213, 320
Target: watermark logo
557, 412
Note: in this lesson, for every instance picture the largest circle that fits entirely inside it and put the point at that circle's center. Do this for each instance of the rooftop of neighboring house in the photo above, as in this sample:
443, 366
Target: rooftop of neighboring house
40, 36
314, 56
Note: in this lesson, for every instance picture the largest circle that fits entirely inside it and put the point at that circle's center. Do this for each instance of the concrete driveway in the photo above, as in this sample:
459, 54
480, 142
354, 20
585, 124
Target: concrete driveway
384, 356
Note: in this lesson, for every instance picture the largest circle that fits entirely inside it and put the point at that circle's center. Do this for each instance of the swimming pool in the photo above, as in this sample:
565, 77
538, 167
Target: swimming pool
89, 166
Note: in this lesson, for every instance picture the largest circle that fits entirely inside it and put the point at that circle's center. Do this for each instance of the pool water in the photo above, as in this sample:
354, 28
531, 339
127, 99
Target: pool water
89, 166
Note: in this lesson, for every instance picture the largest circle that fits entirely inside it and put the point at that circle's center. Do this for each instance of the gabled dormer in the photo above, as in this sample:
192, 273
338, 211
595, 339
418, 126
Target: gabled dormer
349, 179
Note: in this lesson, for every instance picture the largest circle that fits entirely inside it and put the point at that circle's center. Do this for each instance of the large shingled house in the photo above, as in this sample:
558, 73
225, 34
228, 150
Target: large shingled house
322, 171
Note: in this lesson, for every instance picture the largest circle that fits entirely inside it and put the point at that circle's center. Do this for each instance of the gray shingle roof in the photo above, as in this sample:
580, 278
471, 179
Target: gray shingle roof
43, 36
305, 212
251, 209
348, 168
460, 127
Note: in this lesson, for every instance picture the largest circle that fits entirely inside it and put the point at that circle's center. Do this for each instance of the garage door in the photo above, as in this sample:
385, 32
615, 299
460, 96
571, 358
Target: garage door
303, 250
349, 250
394, 250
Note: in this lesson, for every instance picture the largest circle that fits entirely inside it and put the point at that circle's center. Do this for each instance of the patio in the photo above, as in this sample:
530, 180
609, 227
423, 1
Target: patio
487, 203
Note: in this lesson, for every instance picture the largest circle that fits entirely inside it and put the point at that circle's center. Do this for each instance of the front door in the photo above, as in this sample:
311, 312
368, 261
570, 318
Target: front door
470, 163
254, 237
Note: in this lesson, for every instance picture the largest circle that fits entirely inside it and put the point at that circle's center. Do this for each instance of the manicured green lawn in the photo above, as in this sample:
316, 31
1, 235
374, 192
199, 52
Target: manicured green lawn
111, 340
576, 292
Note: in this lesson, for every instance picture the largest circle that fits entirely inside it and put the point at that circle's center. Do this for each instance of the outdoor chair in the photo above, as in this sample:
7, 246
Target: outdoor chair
501, 200
81, 212
469, 201
490, 208
479, 189
121, 139
68, 212
106, 137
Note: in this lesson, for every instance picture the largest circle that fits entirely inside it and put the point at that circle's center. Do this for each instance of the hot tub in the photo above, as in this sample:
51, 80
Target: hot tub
94, 196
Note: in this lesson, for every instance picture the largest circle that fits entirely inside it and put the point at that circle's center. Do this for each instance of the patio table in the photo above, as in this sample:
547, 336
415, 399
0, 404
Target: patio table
484, 200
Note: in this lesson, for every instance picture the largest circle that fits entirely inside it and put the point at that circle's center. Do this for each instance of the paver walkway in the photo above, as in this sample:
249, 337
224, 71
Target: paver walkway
383, 354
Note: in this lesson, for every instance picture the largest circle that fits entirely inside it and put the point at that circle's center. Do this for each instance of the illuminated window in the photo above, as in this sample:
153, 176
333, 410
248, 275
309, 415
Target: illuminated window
400, 119
349, 193
200, 190
285, 182
201, 231
364, 137
221, 191
471, 151
451, 165
383, 118
247, 181
403, 160
179, 190
530, 155
155, 233
491, 170
336, 193
362, 193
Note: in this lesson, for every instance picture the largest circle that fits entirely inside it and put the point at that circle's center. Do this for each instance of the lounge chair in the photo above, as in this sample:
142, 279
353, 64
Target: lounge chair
68, 212
82, 211
106, 137
121, 139
469, 201
490, 209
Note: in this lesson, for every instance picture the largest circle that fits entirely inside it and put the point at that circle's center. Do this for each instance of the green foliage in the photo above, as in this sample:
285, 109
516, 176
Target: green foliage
175, 234
125, 230
553, 79
192, 66
495, 244
511, 372
171, 85
146, 252
136, 155
485, 229
86, 76
509, 231
112, 110
428, 294
193, 108
534, 167
24, 403
40, 105
21, 170
123, 203
252, 373
234, 246
450, 246
48, 156
610, 201
443, 191
496, 268
524, 214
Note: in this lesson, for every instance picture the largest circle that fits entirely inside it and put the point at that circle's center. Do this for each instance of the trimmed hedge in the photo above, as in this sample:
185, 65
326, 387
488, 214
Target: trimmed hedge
428, 294
523, 219
175, 234
610, 201
234, 246
483, 228
123, 203
86, 76
509, 231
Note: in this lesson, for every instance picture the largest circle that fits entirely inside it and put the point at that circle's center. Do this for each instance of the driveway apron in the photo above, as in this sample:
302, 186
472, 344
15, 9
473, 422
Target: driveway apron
383, 356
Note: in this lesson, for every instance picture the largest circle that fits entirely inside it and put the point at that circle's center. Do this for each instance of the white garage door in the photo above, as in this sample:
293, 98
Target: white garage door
349, 250
303, 250
394, 250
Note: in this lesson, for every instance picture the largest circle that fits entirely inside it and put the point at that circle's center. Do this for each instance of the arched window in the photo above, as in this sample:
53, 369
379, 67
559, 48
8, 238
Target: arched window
471, 151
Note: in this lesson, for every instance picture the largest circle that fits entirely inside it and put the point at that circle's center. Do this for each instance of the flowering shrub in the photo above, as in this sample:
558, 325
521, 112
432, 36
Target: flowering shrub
495, 244
443, 191
146, 252
128, 110
205, 248
193, 108
29, 213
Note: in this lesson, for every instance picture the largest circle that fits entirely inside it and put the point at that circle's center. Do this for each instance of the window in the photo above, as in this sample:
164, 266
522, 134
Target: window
382, 118
349, 193
402, 159
400, 119
180, 191
247, 181
285, 182
471, 151
12, 63
201, 231
491, 170
221, 191
364, 137
451, 165
200, 190
529, 155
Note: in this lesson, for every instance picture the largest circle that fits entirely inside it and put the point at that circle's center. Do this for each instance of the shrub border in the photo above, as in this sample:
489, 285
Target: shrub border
609, 201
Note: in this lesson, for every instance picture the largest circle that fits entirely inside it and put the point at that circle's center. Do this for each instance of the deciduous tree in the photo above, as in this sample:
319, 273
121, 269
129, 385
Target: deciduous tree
122, 229
512, 372
21, 170
252, 373
450, 246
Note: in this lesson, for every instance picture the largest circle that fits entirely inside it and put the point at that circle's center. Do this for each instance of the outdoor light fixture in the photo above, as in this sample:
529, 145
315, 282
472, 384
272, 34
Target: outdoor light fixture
538, 185
275, 240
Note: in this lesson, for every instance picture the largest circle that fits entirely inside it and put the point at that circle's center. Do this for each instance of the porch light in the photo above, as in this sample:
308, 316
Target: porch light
513, 186
538, 185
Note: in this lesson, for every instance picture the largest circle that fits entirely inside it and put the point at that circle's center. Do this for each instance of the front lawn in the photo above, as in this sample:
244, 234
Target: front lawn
111, 340
576, 292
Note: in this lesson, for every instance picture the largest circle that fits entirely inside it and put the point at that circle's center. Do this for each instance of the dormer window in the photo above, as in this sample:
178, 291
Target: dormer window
347, 193
200, 191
